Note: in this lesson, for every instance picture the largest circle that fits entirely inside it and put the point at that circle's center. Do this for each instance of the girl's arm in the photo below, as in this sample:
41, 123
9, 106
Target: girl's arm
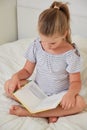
19, 78
25, 72
69, 99
75, 83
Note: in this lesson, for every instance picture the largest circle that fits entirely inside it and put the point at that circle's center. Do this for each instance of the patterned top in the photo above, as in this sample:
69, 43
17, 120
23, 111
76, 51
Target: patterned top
52, 70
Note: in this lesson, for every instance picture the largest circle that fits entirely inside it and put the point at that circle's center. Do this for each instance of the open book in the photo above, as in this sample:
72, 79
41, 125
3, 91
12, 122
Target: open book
35, 100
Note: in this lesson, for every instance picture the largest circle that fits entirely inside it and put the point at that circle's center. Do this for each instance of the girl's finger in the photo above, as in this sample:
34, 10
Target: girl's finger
11, 89
23, 82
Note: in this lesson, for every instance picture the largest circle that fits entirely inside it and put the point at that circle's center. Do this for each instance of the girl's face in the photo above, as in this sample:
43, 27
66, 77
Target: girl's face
51, 43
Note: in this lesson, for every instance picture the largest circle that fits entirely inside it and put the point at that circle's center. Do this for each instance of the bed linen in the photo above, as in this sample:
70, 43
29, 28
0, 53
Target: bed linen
11, 60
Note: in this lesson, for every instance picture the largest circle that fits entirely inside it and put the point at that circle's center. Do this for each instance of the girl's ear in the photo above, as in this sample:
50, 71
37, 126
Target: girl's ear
65, 34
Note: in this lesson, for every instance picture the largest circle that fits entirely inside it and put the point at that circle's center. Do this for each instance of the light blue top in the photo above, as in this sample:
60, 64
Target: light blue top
52, 70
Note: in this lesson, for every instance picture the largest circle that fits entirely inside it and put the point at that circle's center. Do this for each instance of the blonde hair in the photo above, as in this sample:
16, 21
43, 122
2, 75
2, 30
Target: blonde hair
55, 20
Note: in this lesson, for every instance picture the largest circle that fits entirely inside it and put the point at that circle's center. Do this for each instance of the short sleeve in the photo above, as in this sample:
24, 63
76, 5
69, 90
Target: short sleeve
73, 61
30, 54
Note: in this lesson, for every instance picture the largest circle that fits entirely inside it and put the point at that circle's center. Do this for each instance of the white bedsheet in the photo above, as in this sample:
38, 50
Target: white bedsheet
11, 60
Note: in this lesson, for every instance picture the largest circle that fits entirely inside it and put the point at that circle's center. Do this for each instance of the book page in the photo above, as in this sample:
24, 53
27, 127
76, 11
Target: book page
36, 90
30, 95
50, 102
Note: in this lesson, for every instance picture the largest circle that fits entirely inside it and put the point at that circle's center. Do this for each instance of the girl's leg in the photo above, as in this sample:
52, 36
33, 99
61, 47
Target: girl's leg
52, 119
57, 112
21, 111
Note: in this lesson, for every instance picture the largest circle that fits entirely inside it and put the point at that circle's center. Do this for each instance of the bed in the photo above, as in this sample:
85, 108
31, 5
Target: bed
12, 59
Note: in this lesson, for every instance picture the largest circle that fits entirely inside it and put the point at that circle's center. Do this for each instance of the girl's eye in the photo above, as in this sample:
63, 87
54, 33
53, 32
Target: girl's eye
53, 43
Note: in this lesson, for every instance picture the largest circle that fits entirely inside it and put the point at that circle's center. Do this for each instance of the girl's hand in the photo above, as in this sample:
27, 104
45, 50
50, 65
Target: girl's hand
12, 85
68, 101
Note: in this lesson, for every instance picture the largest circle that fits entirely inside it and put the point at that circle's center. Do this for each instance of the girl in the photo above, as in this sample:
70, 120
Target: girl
57, 63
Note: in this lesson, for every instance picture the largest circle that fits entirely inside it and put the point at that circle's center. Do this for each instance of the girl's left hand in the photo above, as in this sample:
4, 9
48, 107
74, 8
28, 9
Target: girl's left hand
68, 101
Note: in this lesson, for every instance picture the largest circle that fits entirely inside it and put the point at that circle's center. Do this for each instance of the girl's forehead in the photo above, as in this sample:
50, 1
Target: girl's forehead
48, 38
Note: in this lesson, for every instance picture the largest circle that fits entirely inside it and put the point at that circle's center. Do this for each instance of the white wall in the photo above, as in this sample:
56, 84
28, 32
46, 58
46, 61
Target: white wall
8, 18
78, 7
78, 11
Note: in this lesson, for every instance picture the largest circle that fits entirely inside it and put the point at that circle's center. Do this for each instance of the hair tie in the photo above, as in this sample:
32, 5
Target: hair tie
56, 7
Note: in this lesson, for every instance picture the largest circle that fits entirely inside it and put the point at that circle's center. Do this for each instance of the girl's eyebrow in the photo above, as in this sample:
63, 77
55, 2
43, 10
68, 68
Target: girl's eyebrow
49, 42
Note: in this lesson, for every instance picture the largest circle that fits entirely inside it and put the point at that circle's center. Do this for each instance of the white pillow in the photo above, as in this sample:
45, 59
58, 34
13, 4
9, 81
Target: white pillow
81, 42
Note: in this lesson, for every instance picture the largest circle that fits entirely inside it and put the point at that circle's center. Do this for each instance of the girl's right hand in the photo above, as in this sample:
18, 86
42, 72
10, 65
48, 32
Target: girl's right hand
12, 85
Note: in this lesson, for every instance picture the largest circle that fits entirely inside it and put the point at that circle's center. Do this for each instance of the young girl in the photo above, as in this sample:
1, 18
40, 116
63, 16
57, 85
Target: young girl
57, 63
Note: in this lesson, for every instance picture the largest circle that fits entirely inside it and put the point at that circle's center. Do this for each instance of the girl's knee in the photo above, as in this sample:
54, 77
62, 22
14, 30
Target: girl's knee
80, 103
